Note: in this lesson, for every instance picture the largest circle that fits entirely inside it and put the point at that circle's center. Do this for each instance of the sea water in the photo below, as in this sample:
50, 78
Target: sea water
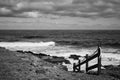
65, 43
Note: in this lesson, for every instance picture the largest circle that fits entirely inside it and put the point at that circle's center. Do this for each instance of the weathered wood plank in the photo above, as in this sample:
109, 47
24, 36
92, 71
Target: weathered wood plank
89, 58
92, 67
86, 63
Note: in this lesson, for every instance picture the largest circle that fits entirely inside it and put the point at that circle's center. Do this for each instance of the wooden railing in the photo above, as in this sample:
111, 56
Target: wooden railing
96, 54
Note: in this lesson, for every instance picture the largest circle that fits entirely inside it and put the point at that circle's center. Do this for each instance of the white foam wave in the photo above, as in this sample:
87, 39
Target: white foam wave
23, 45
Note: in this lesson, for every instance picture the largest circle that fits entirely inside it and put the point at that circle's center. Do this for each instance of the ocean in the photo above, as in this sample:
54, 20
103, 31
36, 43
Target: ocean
65, 42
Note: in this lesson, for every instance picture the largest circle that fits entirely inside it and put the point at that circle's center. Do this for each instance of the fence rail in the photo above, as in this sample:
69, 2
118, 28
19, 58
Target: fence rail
97, 54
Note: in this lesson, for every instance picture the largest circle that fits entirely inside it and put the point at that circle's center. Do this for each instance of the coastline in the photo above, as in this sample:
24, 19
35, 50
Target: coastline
19, 66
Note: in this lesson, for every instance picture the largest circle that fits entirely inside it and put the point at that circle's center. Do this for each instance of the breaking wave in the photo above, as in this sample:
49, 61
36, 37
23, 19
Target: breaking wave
25, 44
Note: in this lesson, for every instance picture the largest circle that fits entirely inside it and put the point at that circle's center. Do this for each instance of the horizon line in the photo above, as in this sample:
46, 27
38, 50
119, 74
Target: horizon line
61, 29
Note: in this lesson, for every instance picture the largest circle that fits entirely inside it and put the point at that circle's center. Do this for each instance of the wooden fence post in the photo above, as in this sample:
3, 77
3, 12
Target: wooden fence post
73, 67
86, 63
99, 65
99, 61
79, 68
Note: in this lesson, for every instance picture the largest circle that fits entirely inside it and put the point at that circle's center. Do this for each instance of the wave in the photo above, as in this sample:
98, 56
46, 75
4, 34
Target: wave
78, 43
114, 44
33, 37
89, 43
26, 44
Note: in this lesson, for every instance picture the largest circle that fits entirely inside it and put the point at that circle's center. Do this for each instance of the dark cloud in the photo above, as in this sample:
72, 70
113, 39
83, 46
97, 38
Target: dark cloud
73, 8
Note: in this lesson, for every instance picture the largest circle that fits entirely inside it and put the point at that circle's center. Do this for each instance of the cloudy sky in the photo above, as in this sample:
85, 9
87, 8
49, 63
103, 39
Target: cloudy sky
59, 14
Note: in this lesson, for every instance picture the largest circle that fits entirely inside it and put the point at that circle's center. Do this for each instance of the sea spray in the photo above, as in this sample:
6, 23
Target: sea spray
26, 44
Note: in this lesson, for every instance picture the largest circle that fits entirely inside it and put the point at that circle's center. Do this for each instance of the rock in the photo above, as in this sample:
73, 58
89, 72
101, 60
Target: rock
57, 60
20, 51
111, 67
118, 65
58, 57
67, 62
75, 57
29, 52
41, 55
108, 66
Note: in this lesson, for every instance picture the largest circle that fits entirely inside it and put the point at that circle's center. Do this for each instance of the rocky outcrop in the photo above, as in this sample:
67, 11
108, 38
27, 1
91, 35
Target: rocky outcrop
75, 57
48, 58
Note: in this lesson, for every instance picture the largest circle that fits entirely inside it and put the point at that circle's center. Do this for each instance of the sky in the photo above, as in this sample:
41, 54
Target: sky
60, 14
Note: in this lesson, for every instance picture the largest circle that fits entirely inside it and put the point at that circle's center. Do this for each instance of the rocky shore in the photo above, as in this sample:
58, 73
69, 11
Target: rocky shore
21, 65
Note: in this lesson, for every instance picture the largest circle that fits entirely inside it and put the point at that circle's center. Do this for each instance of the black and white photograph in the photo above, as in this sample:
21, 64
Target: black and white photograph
59, 39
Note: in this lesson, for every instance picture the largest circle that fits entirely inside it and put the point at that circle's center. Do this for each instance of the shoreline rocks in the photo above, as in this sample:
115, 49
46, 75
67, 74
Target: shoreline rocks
74, 56
48, 58
57, 60
111, 66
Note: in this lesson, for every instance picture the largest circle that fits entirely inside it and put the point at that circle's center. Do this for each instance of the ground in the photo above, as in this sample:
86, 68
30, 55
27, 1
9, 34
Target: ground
19, 66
